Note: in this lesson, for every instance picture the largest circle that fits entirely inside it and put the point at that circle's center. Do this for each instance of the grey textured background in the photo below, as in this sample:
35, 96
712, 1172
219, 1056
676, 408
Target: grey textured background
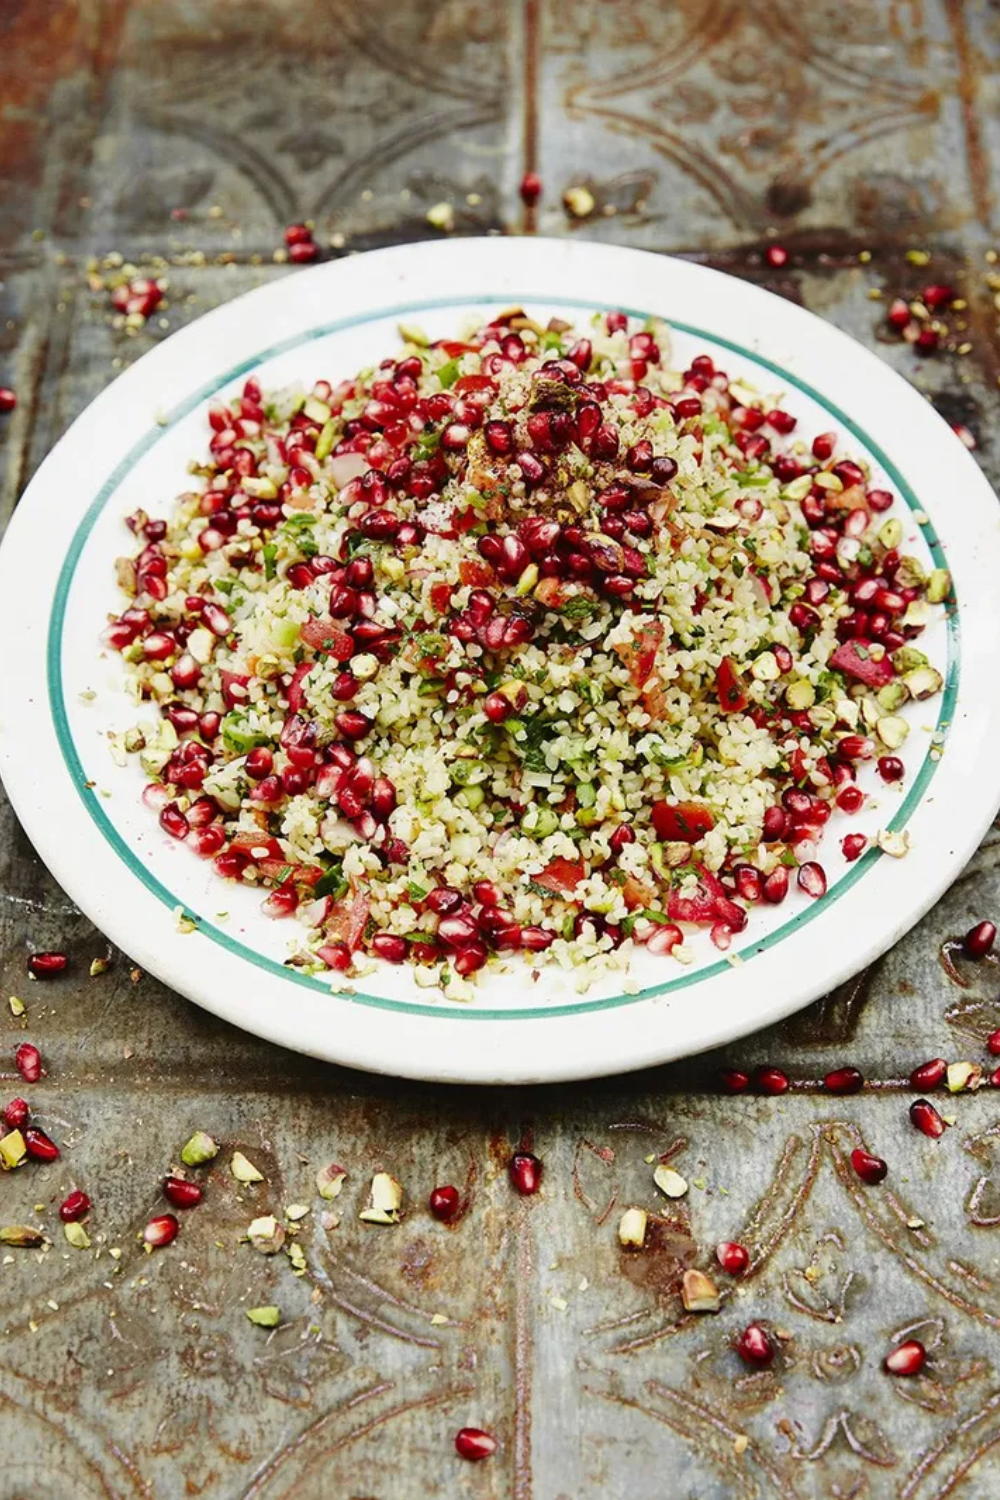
194, 131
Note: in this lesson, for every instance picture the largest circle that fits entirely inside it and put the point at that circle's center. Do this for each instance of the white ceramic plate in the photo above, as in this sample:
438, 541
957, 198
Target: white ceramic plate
131, 447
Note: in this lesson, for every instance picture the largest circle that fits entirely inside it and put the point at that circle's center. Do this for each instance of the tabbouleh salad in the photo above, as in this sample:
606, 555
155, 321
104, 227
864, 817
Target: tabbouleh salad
523, 643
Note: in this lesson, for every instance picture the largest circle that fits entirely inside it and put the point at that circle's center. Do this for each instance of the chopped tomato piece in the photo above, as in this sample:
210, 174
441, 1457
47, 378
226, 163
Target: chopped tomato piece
637, 895
561, 876
440, 597
465, 520
285, 873
453, 349
682, 822
700, 906
346, 922
472, 383
324, 635
258, 841
730, 687
639, 655
295, 691
854, 659
479, 575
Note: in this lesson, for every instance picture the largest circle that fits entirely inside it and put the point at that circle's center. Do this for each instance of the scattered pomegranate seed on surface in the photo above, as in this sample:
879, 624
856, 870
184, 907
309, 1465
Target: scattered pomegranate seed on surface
754, 1346
531, 188
890, 768
443, 1203
45, 965
8, 399
869, 1168
734, 1081
771, 1080
29, 1062
16, 1113
993, 1043
182, 1194
908, 1358
74, 1207
929, 1074
935, 296
525, 1172
298, 234
474, 1444
844, 1081
979, 940
39, 1145
776, 256
732, 1257
853, 845
161, 1231
899, 315
926, 1118
302, 254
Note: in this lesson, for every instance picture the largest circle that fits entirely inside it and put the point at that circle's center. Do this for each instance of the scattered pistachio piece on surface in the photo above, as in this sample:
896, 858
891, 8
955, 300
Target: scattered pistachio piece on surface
243, 1169
330, 1180
264, 1317
199, 1149
669, 1182
632, 1228
386, 1200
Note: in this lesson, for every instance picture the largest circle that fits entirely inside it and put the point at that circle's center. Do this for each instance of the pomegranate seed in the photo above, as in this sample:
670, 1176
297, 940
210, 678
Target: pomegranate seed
352, 724
879, 500
732, 1257
663, 470
389, 946
623, 835
259, 763
39, 1146
776, 885
844, 1081
525, 1173
457, 931
771, 1080
734, 1081
497, 707
870, 1169
853, 845
8, 399
536, 939
173, 821
776, 256
474, 1444
926, 1119
45, 965
899, 315
298, 234
812, 879
890, 768
993, 1043
180, 1193
926, 341
161, 1231
754, 1346
929, 1074
444, 900
979, 940
301, 254
336, 956
29, 1062
851, 799
15, 1114
443, 1203
906, 1359
74, 1207
775, 825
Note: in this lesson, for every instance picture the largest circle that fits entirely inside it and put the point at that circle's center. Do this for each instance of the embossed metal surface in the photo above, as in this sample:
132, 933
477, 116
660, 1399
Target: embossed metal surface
195, 131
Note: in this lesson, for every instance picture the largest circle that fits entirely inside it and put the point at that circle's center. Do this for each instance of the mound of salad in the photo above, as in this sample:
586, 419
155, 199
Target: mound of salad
524, 643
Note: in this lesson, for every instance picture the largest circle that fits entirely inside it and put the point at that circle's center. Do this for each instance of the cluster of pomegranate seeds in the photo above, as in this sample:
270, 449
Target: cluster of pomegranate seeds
8, 400
377, 633
917, 321
138, 299
302, 248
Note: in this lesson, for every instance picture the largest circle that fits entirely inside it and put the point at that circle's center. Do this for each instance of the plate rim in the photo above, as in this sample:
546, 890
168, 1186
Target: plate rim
656, 1049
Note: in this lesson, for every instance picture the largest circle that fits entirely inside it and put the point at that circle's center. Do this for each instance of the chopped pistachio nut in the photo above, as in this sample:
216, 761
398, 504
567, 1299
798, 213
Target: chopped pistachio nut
330, 1180
893, 695
386, 1200
892, 731
297, 1256
77, 1236
296, 1211
24, 1236
17, 1007
699, 1292
264, 1317
580, 202
199, 1149
669, 1182
441, 216
183, 921
891, 534
99, 966
938, 586
924, 682
632, 1228
244, 1170
12, 1151
963, 1075
266, 1235
894, 844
